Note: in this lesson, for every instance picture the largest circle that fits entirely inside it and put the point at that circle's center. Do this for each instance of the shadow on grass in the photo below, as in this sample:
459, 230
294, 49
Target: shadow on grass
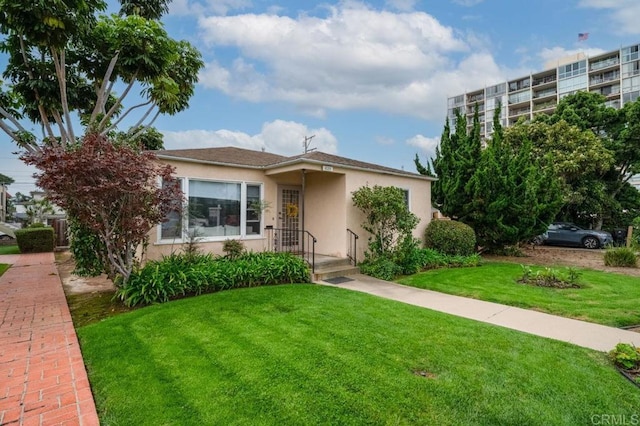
89, 308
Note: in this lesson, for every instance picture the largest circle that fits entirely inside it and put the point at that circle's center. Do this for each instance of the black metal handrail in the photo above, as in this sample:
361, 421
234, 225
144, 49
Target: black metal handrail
352, 252
299, 242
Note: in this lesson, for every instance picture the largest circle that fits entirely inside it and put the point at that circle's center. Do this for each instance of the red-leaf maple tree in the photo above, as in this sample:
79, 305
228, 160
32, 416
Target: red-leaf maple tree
113, 189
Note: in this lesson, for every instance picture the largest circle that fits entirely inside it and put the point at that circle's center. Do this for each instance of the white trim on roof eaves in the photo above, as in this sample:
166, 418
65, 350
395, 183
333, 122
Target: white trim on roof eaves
347, 166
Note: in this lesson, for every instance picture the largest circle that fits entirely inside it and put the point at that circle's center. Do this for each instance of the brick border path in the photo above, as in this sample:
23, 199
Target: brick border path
43, 380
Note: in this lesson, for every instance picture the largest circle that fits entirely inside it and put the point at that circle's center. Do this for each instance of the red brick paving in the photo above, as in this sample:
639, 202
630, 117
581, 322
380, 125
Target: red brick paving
42, 376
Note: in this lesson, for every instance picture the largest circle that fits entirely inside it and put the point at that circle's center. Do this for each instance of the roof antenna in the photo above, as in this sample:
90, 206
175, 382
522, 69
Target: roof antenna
307, 141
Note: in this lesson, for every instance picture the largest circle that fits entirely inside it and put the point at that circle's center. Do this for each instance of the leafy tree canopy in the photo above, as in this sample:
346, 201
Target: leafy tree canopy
120, 200
604, 153
65, 62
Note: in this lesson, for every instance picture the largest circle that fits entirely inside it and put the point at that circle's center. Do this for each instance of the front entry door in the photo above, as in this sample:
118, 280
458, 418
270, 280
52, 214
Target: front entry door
289, 216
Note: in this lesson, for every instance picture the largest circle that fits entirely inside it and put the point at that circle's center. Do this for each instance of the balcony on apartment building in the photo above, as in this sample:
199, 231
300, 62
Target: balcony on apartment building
542, 94
609, 91
603, 64
515, 112
521, 84
471, 109
604, 78
544, 106
613, 104
544, 81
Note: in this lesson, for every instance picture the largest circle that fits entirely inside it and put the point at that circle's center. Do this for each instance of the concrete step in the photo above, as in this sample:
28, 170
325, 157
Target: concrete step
326, 262
325, 272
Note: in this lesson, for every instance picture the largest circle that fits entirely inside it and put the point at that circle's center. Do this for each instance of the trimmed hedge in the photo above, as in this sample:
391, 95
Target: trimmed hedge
35, 240
450, 237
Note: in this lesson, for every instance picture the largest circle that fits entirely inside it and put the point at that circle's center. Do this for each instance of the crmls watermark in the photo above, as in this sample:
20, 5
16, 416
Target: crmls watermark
615, 419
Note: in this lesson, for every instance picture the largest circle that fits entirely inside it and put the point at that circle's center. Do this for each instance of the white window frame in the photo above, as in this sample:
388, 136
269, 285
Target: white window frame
407, 192
243, 213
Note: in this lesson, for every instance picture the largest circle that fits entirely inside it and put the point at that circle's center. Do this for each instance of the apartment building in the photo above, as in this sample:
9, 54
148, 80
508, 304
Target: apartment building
614, 74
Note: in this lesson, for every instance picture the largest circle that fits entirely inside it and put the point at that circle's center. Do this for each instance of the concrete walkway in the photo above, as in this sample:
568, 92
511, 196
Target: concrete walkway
581, 333
42, 376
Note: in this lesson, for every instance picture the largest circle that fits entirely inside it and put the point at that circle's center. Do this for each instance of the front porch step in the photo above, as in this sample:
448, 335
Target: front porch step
335, 267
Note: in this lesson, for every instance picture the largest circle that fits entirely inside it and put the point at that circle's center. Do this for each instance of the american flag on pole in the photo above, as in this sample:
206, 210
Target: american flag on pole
583, 36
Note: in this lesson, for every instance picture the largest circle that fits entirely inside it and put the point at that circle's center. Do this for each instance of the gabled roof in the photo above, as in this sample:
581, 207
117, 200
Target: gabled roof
239, 157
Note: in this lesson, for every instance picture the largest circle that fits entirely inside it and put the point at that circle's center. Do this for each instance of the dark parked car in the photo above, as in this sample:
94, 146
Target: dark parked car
568, 234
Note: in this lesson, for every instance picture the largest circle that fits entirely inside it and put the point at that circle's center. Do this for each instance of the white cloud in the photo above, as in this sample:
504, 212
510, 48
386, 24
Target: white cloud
623, 13
354, 57
426, 145
278, 137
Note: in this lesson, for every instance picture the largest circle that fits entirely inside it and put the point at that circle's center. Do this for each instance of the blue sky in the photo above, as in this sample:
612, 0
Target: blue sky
369, 79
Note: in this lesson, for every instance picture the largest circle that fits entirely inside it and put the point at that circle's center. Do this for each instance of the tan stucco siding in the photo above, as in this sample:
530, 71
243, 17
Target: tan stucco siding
419, 202
325, 208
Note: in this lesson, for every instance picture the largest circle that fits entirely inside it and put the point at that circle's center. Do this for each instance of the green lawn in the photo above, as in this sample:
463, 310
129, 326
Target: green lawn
306, 355
9, 250
3, 268
605, 298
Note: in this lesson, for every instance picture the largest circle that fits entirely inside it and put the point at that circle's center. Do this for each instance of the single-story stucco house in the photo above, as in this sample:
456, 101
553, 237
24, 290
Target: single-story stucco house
274, 202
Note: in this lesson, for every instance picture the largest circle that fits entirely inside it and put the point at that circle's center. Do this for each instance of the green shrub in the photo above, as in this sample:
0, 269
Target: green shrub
179, 275
620, 256
88, 250
382, 268
233, 248
408, 256
433, 259
414, 261
450, 237
625, 356
35, 240
36, 225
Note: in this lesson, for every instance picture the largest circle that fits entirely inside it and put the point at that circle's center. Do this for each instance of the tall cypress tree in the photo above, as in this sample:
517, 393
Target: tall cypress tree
455, 164
514, 198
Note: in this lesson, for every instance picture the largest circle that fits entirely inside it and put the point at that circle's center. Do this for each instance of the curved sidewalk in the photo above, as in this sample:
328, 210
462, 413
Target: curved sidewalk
42, 376
581, 333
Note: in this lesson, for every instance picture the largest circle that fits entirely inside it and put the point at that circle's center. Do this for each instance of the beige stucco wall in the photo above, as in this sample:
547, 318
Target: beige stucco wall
325, 209
419, 202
